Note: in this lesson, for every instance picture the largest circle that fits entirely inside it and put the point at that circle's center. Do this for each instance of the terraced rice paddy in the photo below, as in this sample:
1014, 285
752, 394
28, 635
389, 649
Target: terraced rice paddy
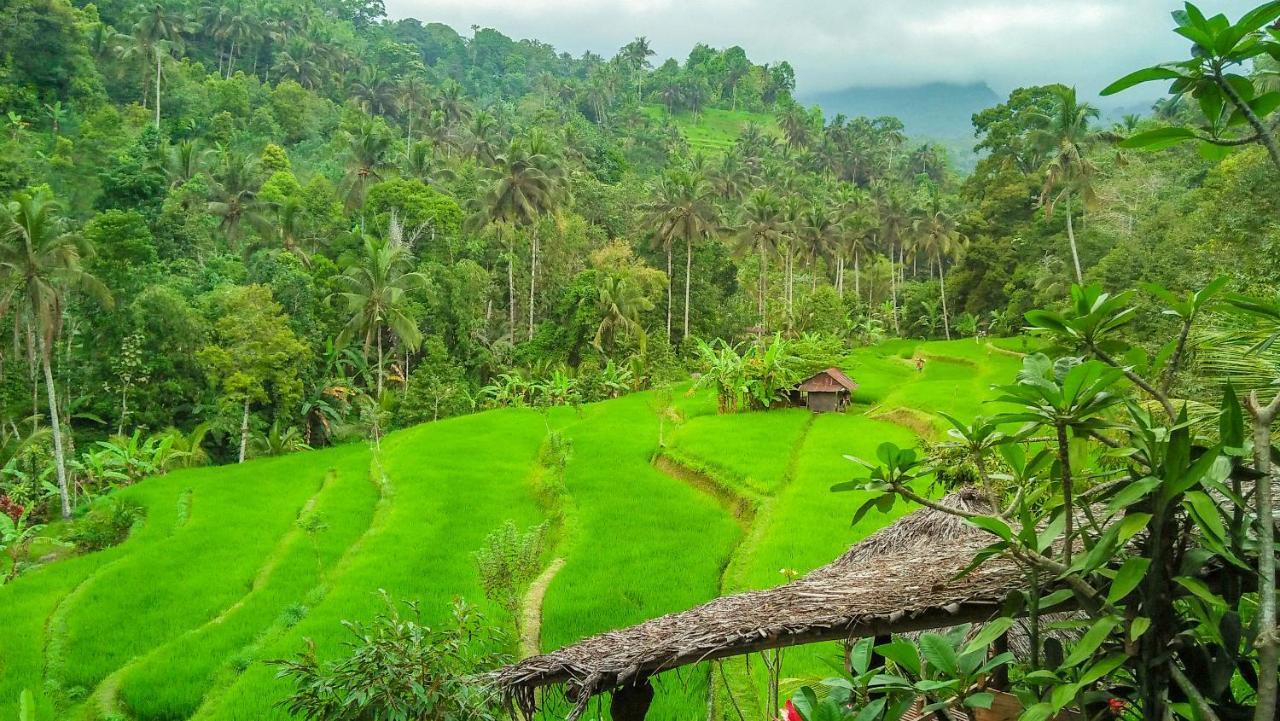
234, 566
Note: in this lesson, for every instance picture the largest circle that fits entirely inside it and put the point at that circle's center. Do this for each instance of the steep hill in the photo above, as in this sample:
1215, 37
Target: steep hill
236, 565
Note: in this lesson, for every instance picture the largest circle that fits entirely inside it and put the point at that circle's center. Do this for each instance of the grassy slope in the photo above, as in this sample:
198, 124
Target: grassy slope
177, 621
171, 681
802, 525
716, 129
645, 544
451, 483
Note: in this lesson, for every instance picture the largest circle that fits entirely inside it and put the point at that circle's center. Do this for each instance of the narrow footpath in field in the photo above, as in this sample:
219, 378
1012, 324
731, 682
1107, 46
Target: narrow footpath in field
531, 612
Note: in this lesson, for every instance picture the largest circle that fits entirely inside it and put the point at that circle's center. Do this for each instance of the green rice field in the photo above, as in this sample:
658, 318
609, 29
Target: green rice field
233, 566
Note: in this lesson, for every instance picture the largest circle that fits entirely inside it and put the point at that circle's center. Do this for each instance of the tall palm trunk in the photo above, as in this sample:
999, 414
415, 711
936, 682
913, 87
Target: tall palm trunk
688, 274
244, 430
1071, 238
942, 284
511, 295
669, 288
533, 278
893, 288
840, 275
764, 286
59, 458
381, 369
157, 88
857, 280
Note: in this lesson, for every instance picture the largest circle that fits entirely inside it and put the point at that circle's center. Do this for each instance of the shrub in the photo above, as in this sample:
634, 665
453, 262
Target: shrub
105, 525
399, 668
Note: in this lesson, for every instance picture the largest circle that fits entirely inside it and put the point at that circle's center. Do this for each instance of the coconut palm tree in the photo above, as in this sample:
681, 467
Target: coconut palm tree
525, 183
366, 162
894, 214
819, 238
235, 193
420, 163
795, 124
413, 97
636, 54
940, 240
683, 208
1065, 136
621, 303
40, 261
185, 161
375, 289
764, 232
156, 34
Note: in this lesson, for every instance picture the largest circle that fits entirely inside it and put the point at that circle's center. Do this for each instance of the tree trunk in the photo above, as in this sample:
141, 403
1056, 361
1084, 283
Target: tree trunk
669, 288
1071, 238
59, 459
533, 278
511, 296
157, 88
688, 275
1269, 633
857, 280
244, 430
942, 284
764, 287
381, 369
893, 289
1068, 514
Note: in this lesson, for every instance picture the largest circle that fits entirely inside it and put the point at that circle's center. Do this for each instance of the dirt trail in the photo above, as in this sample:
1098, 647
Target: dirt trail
531, 610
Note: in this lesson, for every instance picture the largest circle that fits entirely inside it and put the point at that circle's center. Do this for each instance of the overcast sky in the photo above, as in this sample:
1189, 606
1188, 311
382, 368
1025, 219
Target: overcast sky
839, 43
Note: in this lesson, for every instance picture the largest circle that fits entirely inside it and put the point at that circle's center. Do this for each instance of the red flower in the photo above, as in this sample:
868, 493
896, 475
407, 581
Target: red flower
1116, 705
789, 713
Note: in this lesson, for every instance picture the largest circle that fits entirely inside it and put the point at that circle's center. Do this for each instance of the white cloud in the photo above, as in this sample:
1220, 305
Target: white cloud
838, 43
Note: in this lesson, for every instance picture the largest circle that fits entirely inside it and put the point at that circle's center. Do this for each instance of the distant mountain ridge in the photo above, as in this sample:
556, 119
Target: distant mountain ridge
932, 110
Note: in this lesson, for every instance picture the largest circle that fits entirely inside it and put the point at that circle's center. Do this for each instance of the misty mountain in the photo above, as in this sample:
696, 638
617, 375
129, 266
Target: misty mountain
934, 110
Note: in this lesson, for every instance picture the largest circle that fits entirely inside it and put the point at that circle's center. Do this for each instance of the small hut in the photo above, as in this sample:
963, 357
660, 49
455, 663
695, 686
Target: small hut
826, 391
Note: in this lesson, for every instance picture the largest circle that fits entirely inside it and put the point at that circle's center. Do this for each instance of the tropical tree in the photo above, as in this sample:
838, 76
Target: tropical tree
376, 293
1065, 138
254, 356
1228, 100
367, 160
940, 240
636, 54
40, 261
764, 232
683, 208
157, 33
235, 194
525, 183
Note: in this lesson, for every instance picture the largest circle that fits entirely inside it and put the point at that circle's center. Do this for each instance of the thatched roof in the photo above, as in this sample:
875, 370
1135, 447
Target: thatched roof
830, 380
900, 579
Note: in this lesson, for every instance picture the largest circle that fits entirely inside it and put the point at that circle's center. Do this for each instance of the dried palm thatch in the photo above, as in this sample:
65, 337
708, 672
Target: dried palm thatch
901, 579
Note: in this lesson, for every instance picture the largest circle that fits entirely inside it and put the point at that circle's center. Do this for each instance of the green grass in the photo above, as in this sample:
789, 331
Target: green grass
170, 682
715, 130
645, 544
451, 483
179, 621
751, 450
